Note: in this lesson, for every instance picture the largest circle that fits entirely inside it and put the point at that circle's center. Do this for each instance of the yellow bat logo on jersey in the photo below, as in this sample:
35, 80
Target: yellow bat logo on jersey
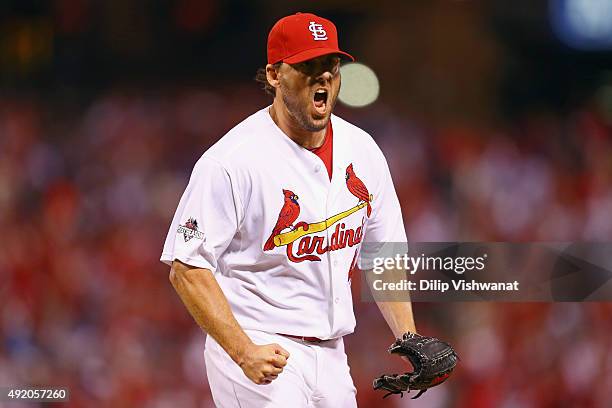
302, 231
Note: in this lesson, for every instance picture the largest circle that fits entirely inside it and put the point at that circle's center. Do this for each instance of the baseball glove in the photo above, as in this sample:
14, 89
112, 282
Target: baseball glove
433, 361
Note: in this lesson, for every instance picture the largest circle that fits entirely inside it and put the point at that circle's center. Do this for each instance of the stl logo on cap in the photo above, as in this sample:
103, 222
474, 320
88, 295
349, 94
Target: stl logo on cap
302, 36
318, 32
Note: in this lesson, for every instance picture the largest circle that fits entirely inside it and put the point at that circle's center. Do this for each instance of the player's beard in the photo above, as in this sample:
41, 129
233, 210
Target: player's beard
299, 110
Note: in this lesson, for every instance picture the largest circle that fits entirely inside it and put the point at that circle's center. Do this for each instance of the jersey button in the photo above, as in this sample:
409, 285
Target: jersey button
336, 262
317, 168
337, 300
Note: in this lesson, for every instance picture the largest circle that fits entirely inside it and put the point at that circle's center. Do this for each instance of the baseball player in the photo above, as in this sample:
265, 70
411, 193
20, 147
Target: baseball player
266, 234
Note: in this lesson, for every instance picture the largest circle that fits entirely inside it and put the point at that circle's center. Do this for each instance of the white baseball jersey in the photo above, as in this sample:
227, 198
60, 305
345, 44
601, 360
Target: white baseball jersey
261, 212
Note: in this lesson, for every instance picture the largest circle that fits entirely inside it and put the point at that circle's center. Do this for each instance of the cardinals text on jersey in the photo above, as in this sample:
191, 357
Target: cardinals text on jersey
305, 236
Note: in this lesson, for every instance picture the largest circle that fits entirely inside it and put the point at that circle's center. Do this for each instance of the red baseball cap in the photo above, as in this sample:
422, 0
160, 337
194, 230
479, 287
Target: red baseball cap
300, 37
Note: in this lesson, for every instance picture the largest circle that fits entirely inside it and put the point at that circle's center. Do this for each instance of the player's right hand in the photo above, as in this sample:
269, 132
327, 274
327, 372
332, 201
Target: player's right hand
262, 364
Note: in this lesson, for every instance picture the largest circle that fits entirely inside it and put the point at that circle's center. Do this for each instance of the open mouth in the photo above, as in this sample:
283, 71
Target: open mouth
320, 100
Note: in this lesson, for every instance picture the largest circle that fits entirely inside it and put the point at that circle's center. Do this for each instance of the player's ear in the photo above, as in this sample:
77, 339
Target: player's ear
272, 74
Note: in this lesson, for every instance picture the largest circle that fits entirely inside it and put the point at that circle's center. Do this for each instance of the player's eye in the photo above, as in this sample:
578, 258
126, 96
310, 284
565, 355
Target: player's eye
305, 66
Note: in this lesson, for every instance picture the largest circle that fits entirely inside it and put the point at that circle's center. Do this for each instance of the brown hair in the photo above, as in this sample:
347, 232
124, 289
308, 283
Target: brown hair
262, 79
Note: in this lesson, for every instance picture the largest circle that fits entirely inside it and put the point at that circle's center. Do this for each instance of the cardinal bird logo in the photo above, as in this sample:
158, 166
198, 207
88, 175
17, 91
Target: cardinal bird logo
287, 216
357, 188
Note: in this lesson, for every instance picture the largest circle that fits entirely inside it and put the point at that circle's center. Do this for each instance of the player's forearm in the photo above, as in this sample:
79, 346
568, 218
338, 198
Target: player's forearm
396, 309
398, 316
205, 301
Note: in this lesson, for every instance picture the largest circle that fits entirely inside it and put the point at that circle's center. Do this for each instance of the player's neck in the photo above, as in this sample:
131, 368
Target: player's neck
301, 136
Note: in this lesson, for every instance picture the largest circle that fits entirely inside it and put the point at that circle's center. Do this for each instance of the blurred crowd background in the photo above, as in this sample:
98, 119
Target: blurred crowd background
495, 116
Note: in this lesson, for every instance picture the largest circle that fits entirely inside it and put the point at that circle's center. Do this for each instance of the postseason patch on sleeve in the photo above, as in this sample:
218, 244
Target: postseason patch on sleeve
190, 230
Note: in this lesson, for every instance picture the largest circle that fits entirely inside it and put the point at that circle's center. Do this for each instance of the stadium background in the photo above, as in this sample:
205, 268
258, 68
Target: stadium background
495, 116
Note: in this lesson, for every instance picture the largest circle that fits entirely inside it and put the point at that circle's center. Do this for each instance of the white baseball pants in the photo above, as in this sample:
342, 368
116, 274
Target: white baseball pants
316, 376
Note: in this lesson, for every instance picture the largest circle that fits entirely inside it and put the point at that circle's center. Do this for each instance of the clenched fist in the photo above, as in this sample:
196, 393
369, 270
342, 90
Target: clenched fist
262, 364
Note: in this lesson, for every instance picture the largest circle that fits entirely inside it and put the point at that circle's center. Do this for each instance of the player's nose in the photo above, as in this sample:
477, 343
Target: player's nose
326, 76
323, 78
